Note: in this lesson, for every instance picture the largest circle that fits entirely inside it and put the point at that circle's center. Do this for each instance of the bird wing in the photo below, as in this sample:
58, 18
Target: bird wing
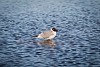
46, 34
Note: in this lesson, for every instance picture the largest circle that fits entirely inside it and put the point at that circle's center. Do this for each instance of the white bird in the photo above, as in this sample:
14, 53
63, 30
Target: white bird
47, 34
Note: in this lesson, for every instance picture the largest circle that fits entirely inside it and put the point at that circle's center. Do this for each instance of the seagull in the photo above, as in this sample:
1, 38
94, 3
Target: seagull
47, 34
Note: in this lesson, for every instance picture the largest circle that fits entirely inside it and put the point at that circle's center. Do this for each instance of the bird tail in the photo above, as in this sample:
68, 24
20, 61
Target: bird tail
35, 36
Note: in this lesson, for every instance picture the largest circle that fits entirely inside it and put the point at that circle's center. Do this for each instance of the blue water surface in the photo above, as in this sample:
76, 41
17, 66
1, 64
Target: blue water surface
77, 43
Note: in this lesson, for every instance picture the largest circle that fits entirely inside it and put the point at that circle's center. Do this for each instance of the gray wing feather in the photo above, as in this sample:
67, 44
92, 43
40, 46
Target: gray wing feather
46, 34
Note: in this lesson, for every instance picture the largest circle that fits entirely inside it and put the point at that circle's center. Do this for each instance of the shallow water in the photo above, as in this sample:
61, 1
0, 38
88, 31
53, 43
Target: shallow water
77, 43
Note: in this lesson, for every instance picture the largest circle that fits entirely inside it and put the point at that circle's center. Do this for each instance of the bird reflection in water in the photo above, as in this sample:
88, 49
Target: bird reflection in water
48, 42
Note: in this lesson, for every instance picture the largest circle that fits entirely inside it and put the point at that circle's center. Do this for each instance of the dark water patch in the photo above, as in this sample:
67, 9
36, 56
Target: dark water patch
2, 65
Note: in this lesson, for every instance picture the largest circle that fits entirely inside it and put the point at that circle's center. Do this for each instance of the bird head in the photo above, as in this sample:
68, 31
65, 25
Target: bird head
54, 29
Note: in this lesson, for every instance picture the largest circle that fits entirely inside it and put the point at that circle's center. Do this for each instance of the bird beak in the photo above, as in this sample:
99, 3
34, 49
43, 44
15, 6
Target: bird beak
56, 30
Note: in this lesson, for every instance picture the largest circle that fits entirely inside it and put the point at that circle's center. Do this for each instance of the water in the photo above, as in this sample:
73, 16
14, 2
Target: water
77, 43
